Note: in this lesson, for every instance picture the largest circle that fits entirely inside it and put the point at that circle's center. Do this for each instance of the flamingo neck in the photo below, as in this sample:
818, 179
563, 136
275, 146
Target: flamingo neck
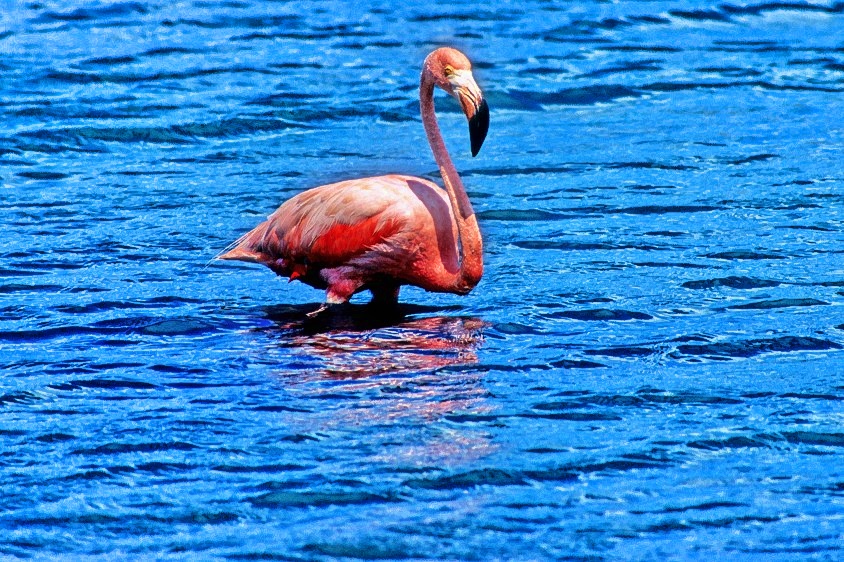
470, 245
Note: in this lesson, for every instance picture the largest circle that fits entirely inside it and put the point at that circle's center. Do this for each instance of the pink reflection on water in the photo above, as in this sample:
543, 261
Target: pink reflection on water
414, 371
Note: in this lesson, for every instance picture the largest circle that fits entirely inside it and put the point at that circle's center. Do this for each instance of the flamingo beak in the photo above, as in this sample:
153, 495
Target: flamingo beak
475, 107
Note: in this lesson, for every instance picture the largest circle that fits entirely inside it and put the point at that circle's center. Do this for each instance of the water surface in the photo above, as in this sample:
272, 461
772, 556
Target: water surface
651, 367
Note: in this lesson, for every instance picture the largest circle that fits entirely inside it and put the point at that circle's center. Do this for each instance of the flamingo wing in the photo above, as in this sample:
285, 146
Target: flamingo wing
326, 226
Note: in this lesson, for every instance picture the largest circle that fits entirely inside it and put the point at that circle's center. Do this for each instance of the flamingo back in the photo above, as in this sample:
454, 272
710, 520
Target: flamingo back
379, 219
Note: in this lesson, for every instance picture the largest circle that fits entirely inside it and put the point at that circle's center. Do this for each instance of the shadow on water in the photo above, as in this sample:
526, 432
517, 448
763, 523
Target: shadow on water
358, 341
346, 317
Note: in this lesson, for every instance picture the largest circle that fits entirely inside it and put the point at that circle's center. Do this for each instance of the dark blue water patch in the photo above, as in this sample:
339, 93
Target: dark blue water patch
157, 467
814, 438
230, 22
644, 398
650, 165
574, 416
172, 50
745, 255
751, 348
281, 499
517, 171
705, 506
287, 99
666, 233
738, 442
805, 396
649, 187
22, 288
175, 134
55, 438
683, 265
733, 282
466, 16
299, 438
600, 315
777, 303
358, 46
12, 432
620, 465
133, 78
621, 352
583, 28
586, 95
116, 524
259, 469
141, 325
179, 369
61, 412
631, 66
42, 175
470, 479
730, 71
514, 328
81, 111
545, 70
110, 61
760, 84
279, 408
107, 12
638, 48
751, 159
103, 306
758, 9
700, 15
22, 397
103, 384
580, 246
88, 476
472, 418
177, 327
656, 397
521, 215
665, 209
126, 448
344, 31
575, 364
584, 398
28, 145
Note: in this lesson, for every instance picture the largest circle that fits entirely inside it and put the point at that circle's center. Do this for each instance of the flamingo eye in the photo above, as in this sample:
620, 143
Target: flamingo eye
449, 71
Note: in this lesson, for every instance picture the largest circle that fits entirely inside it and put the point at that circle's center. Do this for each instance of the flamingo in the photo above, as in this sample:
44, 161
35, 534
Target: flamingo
380, 233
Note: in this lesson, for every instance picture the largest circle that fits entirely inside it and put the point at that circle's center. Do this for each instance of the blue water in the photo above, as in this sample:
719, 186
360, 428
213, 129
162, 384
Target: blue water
652, 367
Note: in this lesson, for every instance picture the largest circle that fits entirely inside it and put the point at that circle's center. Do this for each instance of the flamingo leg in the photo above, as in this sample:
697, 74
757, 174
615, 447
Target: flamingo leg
322, 308
385, 294
341, 287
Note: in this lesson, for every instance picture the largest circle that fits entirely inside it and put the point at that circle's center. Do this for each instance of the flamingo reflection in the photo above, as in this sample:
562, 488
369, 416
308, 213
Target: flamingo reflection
376, 368
362, 342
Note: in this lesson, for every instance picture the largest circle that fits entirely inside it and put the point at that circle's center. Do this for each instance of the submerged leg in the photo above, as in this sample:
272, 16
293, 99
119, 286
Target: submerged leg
385, 294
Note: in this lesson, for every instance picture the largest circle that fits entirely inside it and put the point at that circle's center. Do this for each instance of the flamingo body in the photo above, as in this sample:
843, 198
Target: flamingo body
372, 233
383, 232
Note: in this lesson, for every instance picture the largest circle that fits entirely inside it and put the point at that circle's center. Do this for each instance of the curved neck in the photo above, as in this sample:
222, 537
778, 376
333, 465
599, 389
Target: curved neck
470, 245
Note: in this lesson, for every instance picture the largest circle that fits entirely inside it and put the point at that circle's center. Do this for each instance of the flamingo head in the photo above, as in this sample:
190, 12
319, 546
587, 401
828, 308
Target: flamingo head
452, 72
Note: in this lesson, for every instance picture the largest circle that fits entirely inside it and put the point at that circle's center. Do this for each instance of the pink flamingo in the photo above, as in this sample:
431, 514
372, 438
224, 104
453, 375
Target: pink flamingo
383, 232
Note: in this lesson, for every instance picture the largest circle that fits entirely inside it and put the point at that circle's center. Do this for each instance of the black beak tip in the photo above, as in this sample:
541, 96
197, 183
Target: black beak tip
478, 127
